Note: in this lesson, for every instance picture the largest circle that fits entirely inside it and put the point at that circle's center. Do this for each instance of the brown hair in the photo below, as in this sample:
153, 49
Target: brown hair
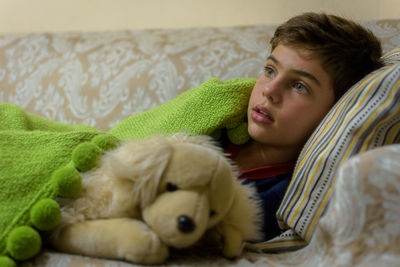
347, 50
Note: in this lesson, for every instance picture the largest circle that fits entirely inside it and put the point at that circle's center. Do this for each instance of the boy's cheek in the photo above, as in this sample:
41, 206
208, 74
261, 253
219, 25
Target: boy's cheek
256, 95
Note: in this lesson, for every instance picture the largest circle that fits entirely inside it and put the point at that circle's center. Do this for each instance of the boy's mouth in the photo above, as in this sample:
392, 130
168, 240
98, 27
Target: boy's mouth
262, 114
265, 114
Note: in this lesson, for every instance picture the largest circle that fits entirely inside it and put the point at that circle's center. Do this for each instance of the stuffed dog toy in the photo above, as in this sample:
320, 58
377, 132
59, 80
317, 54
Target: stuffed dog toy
148, 195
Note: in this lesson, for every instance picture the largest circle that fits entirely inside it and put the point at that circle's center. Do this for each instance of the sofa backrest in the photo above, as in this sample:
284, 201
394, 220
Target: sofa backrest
100, 78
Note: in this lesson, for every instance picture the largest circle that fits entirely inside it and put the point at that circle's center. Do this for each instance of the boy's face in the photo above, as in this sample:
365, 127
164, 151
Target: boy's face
289, 99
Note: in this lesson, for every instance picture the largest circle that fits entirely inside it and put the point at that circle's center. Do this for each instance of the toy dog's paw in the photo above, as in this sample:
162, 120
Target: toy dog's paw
114, 238
156, 254
233, 243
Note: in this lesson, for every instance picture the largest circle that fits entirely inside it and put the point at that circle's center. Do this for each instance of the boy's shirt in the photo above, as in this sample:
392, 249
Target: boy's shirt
271, 183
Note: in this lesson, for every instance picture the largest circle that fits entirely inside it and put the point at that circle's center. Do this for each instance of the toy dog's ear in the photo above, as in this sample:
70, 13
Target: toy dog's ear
143, 162
202, 140
243, 221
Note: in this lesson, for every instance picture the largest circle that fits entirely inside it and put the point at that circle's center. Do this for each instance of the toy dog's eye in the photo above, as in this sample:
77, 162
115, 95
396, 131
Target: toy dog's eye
212, 213
171, 187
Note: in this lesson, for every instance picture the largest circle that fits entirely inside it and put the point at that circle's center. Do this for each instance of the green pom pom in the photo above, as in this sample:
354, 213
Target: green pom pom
68, 181
85, 156
7, 262
45, 214
239, 135
105, 141
23, 243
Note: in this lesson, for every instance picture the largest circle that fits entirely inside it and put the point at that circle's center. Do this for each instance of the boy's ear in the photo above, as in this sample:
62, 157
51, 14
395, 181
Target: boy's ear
143, 162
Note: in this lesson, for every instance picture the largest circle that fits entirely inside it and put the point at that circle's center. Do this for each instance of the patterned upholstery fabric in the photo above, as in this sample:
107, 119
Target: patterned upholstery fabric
100, 78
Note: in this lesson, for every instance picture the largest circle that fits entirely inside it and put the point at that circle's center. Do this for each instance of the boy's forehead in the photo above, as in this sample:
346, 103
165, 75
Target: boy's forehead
297, 58
303, 51
303, 62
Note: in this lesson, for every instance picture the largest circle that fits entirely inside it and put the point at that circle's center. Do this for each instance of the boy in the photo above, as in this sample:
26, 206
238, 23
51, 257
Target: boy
315, 58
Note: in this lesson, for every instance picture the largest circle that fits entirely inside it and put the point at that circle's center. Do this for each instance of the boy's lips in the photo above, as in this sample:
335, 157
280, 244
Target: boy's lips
262, 115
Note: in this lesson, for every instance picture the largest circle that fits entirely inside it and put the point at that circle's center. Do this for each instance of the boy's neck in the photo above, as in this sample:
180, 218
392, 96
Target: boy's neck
254, 155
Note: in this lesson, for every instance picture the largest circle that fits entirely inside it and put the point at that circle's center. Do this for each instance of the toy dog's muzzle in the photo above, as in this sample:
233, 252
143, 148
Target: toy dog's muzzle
179, 218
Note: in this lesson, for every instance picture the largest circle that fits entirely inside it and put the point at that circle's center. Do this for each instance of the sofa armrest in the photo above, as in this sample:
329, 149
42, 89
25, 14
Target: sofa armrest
363, 218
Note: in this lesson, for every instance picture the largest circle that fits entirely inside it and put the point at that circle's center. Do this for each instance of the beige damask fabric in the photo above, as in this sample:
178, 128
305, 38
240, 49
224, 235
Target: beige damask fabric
100, 78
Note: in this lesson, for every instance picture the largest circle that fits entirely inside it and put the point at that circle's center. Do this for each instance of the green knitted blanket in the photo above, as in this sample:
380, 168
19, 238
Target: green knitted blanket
41, 159
207, 109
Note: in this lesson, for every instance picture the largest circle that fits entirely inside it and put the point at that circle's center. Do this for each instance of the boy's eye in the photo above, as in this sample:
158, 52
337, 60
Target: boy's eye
301, 88
269, 71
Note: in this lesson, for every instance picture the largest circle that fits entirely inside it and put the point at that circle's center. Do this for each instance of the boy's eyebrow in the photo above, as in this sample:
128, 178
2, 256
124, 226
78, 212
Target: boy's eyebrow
299, 72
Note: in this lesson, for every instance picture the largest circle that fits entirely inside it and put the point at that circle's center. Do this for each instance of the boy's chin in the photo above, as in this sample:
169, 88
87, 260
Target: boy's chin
255, 131
258, 136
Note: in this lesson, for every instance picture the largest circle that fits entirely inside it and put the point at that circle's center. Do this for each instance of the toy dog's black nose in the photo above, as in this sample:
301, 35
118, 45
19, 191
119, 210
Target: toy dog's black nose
185, 224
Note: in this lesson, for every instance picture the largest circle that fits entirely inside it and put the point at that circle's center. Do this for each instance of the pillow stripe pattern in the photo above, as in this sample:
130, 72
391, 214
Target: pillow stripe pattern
392, 57
367, 116
304, 201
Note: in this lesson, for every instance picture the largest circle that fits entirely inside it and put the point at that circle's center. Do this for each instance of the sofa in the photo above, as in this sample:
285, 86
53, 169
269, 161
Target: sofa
99, 78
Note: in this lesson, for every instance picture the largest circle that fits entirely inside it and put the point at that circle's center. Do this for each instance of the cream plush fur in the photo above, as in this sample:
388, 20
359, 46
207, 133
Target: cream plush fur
148, 195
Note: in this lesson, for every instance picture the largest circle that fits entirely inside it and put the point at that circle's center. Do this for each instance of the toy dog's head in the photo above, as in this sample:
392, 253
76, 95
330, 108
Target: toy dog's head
184, 186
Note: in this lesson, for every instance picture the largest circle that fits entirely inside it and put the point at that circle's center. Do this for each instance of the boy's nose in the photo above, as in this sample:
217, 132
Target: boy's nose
273, 93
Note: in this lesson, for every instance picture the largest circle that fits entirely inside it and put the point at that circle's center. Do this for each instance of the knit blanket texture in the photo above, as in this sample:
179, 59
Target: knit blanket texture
33, 148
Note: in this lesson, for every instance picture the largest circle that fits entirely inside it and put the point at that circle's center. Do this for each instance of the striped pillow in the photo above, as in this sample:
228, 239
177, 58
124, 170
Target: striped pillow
392, 57
367, 116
